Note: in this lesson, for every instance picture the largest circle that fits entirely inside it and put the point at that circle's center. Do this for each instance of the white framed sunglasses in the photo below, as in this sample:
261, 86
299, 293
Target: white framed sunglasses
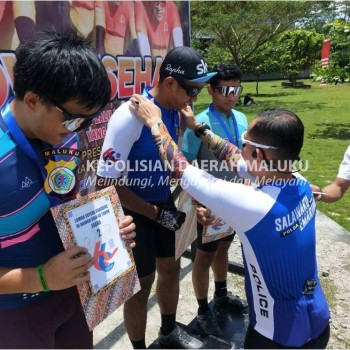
255, 144
227, 90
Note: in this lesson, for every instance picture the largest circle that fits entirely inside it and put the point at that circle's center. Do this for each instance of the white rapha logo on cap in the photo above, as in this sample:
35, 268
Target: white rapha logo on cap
172, 70
202, 68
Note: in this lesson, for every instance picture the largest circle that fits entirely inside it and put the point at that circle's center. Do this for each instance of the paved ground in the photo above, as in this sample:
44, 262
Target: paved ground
333, 254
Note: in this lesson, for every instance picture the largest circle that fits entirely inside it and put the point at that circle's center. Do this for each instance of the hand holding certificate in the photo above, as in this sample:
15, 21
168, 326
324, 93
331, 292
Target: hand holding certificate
95, 227
92, 222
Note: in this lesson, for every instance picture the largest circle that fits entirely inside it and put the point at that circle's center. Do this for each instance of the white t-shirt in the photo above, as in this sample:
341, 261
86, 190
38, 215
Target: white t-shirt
344, 168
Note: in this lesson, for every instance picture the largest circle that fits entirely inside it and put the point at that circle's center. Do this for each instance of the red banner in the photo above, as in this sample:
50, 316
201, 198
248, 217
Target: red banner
325, 53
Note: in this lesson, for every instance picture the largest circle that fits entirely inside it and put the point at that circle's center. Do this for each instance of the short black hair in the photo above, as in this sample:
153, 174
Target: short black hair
225, 71
60, 67
280, 128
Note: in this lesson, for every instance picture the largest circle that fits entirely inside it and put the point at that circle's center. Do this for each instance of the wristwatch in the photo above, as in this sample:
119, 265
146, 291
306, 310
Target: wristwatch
200, 131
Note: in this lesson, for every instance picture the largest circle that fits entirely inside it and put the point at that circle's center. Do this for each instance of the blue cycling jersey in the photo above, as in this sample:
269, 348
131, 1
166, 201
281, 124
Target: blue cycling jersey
276, 225
28, 234
128, 151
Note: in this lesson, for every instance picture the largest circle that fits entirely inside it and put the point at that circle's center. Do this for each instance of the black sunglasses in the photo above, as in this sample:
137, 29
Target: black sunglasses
227, 90
75, 122
191, 91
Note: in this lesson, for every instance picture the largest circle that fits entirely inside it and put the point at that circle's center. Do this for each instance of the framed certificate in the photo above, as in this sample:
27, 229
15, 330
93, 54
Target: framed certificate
217, 230
92, 222
187, 233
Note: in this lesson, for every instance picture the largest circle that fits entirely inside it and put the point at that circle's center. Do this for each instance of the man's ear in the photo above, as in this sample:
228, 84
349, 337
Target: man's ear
262, 160
169, 82
31, 101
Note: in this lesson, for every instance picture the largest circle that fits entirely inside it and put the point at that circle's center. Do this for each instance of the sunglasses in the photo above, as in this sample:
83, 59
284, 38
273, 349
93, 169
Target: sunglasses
75, 122
227, 90
191, 91
255, 144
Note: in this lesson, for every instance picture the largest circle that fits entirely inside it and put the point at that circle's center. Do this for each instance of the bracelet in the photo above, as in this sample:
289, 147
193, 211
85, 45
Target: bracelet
43, 279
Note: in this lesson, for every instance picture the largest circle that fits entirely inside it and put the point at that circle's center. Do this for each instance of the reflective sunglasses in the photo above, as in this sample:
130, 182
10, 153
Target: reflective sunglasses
255, 144
191, 91
227, 90
75, 122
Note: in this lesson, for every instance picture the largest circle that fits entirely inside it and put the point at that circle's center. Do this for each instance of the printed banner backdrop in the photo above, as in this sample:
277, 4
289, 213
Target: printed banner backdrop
136, 35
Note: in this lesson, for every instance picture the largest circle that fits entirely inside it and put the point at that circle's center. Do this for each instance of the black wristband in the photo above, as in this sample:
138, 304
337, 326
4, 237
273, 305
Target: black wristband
201, 130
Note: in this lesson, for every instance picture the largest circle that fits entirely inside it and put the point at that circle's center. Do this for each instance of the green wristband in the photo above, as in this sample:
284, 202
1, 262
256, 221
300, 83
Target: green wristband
43, 279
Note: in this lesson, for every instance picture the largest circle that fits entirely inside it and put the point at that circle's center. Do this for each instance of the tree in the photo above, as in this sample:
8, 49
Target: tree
263, 60
298, 50
239, 28
339, 70
328, 12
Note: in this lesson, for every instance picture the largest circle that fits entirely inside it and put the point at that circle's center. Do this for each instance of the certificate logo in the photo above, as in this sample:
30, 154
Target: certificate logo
102, 257
217, 224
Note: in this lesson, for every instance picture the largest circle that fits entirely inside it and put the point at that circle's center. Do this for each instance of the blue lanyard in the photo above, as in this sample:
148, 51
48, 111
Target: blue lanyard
234, 140
21, 140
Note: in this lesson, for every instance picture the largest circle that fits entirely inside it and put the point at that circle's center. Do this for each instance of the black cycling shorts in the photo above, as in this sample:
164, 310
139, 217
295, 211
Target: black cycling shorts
55, 322
255, 340
152, 240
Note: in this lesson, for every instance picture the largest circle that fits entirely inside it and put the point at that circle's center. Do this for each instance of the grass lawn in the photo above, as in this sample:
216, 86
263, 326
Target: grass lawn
325, 112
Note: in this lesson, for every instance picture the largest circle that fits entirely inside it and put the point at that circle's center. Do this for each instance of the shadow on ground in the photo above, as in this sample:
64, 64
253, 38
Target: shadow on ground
332, 131
120, 330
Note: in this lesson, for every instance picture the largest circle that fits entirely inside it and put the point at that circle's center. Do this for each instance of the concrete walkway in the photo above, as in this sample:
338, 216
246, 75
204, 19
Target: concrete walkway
333, 242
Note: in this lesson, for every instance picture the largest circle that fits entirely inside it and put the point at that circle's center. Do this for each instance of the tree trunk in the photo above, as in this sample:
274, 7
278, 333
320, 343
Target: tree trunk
293, 80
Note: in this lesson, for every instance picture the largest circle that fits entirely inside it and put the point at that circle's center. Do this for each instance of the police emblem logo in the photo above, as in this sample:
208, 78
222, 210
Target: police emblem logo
60, 177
